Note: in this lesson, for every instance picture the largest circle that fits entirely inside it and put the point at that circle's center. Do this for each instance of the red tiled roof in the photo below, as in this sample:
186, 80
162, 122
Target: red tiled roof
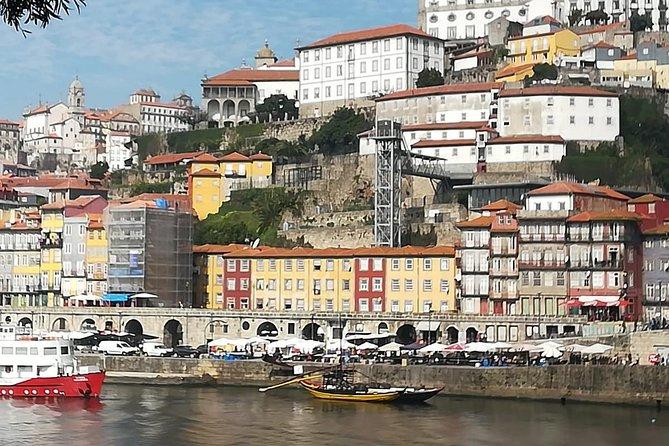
479, 222
663, 229
602, 44
368, 34
8, 122
513, 69
473, 53
556, 90
171, 158
629, 56
601, 28
284, 63
246, 76
260, 157
217, 249
564, 187
206, 173
557, 139
445, 126
406, 251
163, 104
443, 143
647, 198
206, 158
80, 203
235, 157
612, 215
442, 90
501, 205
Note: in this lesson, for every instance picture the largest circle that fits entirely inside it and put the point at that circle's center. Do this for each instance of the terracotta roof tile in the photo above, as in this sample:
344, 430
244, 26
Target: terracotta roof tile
206, 173
564, 187
368, 34
479, 222
443, 143
260, 157
217, 249
206, 158
557, 139
556, 90
612, 215
501, 205
172, 158
442, 90
247, 76
513, 69
235, 157
406, 251
647, 198
663, 229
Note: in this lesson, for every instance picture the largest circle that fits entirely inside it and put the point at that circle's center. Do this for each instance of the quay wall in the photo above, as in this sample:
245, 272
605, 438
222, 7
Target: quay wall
641, 385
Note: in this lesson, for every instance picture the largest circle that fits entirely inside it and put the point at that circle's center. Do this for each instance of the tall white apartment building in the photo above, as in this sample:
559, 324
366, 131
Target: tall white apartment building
574, 113
469, 19
154, 115
351, 68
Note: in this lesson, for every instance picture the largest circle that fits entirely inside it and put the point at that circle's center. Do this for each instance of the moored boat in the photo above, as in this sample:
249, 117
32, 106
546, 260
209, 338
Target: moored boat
411, 395
32, 366
360, 394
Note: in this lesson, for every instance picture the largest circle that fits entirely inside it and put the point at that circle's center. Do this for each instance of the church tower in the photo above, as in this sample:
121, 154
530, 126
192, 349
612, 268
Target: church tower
76, 97
265, 56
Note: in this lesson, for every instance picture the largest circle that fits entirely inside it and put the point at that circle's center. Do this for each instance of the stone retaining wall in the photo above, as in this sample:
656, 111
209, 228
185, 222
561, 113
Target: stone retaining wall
643, 385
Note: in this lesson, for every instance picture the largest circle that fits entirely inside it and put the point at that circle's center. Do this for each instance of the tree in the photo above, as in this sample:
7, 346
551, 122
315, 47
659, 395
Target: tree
640, 22
543, 71
429, 77
575, 17
598, 16
17, 13
99, 170
270, 206
340, 133
277, 107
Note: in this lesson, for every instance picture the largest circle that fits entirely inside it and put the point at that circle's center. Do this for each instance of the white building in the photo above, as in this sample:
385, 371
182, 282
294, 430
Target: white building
574, 113
116, 149
155, 116
351, 68
454, 103
469, 19
618, 10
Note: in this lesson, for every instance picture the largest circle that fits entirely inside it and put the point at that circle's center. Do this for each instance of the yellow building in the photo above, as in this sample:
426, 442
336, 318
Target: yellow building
212, 180
539, 48
96, 256
51, 253
400, 280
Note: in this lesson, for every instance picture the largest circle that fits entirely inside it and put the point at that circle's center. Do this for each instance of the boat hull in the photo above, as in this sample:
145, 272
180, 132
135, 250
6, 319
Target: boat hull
369, 397
87, 385
415, 396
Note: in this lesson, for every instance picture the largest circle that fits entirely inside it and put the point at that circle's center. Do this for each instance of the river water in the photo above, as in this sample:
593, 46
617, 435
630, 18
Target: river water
135, 415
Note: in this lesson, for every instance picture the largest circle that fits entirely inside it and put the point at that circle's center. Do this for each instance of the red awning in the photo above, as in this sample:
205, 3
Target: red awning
573, 303
620, 303
596, 303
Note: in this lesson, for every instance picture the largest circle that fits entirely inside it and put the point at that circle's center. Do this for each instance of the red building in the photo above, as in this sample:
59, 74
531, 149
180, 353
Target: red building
370, 277
653, 210
237, 285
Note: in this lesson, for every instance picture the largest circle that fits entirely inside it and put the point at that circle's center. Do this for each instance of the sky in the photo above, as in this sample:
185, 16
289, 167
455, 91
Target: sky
118, 46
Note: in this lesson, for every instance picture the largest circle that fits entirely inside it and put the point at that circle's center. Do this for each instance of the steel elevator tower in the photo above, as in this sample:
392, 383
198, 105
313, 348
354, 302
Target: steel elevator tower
388, 184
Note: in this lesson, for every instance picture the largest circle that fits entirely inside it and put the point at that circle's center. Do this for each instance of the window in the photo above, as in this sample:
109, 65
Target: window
363, 264
408, 264
231, 284
427, 285
364, 305
427, 264
395, 285
378, 264
408, 285
299, 284
377, 284
363, 285
287, 284
444, 286
345, 284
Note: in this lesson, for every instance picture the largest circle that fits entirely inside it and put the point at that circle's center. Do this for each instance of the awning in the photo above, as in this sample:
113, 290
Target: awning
144, 296
84, 297
428, 326
573, 303
116, 297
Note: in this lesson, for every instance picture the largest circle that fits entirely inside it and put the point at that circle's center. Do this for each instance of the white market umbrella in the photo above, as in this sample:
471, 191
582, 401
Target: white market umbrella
336, 344
77, 335
501, 345
367, 346
432, 348
143, 296
547, 344
597, 349
526, 347
551, 352
575, 348
479, 347
390, 347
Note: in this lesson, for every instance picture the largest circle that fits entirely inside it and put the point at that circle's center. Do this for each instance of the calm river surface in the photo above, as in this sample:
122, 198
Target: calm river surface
133, 415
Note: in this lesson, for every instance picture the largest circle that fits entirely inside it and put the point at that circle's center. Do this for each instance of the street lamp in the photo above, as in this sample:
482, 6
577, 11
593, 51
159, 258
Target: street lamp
539, 314
429, 321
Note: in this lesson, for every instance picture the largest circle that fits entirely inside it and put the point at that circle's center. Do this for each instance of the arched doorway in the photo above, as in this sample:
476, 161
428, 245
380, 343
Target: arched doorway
215, 330
406, 334
313, 332
109, 325
452, 334
267, 329
173, 333
59, 324
228, 109
383, 328
88, 324
213, 108
135, 327
25, 322
472, 334
244, 108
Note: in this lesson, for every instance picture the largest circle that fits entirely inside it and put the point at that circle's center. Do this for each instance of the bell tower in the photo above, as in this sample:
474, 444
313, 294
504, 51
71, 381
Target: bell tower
76, 96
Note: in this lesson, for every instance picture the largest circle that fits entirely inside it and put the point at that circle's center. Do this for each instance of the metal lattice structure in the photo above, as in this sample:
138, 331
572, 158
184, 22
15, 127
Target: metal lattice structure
387, 182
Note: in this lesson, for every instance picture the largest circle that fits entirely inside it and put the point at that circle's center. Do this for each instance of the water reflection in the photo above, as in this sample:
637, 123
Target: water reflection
134, 415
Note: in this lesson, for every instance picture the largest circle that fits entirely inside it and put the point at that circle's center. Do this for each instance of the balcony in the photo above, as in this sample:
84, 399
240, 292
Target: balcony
504, 250
541, 237
503, 272
51, 243
617, 264
541, 264
504, 295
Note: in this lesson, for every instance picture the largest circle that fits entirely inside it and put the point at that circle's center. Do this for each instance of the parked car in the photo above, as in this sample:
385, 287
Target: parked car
203, 349
155, 349
185, 351
117, 348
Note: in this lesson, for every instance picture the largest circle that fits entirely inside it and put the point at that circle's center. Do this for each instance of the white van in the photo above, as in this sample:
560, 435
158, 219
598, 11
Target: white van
117, 348
156, 349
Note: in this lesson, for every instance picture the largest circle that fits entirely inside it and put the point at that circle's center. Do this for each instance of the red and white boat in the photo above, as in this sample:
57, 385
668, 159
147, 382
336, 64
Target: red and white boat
34, 366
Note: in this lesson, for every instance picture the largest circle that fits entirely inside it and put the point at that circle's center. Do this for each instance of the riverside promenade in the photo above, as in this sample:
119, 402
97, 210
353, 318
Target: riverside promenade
638, 385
